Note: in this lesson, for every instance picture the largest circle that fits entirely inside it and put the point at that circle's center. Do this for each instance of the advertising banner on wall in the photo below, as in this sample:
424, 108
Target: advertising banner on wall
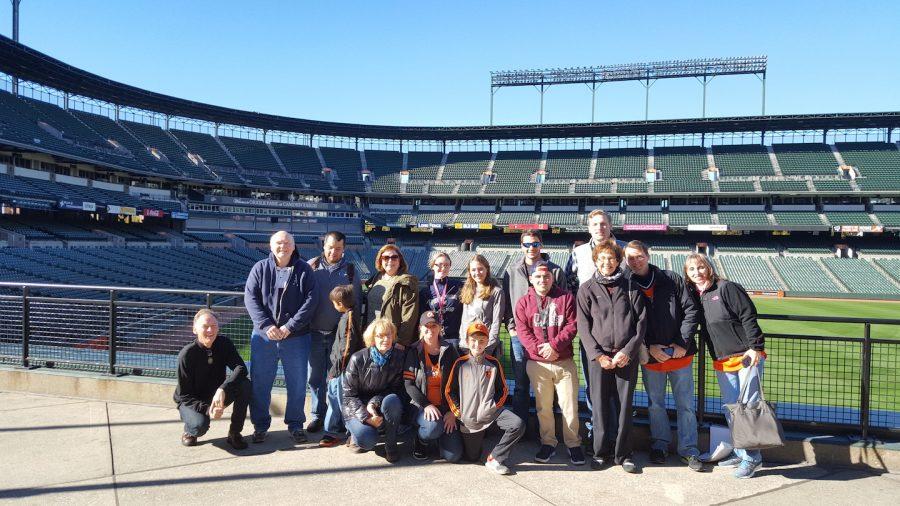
154, 213
707, 228
528, 226
645, 227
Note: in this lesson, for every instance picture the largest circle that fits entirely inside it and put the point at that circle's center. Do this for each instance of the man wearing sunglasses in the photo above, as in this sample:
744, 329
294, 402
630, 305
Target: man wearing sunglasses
516, 282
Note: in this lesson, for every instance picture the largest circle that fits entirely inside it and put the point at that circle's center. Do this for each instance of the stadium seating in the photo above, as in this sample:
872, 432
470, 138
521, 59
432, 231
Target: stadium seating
251, 154
742, 160
683, 219
890, 265
555, 187
878, 164
506, 218
804, 275
423, 165
644, 218
444, 188
631, 187
348, 166
802, 218
743, 218
387, 184
859, 276
554, 219
889, 219
155, 137
750, 271
682, 184
298, 159
465, 165
205, 146
568, 164
621, 163
737, 186
782, 185
516, 167
680, 164
592, 188
802, 159
473, 218
469, 189
380, 163
848, 218
835, 185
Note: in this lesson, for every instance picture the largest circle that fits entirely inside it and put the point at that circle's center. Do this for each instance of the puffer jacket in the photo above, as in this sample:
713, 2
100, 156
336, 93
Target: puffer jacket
400, 304
611, 322
364, 382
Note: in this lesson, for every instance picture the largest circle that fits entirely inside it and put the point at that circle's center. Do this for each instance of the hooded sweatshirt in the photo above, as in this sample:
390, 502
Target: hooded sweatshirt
554, 314
516, 283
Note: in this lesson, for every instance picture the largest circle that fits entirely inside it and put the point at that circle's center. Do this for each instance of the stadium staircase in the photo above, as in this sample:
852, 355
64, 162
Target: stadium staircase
893, 279
774, 272
840, 284
226, 151
277, 159
774, 160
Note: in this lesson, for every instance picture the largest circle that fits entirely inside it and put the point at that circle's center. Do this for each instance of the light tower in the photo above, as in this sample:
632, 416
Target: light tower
15, 36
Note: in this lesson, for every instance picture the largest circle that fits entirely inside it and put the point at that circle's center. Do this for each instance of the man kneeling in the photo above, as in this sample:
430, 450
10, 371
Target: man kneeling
203, 390
476, 391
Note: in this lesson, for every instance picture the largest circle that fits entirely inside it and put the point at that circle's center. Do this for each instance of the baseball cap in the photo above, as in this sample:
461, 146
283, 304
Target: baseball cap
427, 317
476, 328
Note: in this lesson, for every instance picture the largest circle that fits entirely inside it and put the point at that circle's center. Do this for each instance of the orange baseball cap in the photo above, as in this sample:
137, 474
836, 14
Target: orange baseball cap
476, 328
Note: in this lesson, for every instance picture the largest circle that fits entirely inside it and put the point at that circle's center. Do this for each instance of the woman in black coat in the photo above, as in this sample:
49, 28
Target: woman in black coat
612, 322
372, 385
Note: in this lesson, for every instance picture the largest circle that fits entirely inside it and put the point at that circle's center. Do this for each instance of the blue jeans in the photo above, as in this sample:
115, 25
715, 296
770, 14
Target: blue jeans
587, 391
264, 356
682, 381
319, 363
449, 445
366, 436
334, 420
730, 385
521, 402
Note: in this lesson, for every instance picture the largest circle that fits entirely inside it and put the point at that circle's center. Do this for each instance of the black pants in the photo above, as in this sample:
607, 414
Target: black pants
608, 385
197, 424
513, 429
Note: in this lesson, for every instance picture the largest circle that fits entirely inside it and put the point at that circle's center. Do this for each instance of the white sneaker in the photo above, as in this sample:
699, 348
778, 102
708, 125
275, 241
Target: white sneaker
496, 467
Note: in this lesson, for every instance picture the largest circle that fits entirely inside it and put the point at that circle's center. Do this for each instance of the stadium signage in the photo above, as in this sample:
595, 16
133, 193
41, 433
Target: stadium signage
466, 226
179, 215
79, 206
485, 226
421, 229
154, 213
859, 229
30, 204
215, 199
707, 228
528, 226
121, 210
646, 227
430, 226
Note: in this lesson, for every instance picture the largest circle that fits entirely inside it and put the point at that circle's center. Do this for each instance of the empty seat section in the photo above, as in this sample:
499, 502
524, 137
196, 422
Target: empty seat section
251, 154
466, 165
804, 275
621, 163
204, 146
568, 164
155, 137
423, 165
745, 160
348, 166
298, 159
878, 164
381, 163
801, 159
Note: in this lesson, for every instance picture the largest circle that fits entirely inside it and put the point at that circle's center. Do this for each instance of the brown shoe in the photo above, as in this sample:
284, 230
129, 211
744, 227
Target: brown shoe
236, 440
353, 447
328, 441
188, 440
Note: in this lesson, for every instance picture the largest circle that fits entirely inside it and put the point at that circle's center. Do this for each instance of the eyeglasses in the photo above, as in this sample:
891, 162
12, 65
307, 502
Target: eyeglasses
535, 244
389, 257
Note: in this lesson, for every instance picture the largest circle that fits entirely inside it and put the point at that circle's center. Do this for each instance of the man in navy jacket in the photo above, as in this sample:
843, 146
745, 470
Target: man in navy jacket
281, 300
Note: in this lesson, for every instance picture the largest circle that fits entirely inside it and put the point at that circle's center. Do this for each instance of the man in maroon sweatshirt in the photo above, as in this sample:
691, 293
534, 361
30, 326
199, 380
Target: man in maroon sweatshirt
545, 321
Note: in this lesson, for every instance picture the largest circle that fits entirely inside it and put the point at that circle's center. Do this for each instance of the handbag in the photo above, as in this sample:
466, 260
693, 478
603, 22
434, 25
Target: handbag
754, 425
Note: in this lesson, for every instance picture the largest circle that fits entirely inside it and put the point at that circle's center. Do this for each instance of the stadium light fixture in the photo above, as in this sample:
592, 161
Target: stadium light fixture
703, 69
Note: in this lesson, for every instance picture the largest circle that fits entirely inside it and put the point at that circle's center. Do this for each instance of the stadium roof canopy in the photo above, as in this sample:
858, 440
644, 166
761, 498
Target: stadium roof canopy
28, 64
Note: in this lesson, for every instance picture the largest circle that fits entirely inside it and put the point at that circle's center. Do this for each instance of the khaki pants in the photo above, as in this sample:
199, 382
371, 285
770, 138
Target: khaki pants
560, 377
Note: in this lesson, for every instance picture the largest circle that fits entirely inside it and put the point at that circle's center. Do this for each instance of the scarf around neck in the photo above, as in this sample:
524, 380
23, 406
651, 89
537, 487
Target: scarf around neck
378, 358
609, 280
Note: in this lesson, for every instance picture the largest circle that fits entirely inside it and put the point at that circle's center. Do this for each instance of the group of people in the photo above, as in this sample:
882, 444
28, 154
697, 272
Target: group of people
429, 353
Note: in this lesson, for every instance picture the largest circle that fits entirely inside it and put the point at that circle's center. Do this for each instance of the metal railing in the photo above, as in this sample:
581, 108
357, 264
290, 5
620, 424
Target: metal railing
846, 382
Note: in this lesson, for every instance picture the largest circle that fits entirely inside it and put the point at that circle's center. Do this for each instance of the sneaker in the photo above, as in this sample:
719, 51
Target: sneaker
657, 457
391, 454
188, 440
746, 469
732, 461
545, 454
495, 466
420, 448
259, 437
236, 440
598, 463
693, 462
314, 426
576, 456
299, 436
628, 466
329, 441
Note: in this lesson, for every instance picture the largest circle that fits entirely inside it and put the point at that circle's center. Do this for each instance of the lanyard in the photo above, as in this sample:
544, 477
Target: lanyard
442, 299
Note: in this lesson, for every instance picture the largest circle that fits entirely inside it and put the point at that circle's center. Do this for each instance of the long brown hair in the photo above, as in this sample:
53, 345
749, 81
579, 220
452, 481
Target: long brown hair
404, 268
467, 293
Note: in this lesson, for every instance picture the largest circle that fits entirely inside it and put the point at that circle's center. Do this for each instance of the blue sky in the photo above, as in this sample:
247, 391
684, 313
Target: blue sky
428, 63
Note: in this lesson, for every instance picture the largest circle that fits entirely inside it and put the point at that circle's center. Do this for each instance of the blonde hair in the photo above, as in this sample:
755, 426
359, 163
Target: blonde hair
436, 256
703, 259
379, 326
599, 212
467, 293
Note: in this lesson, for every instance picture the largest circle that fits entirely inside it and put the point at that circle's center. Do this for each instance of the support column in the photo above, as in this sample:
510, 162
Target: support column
593, 99
542, 104
15, 36
493, 90
763, 79
647, 84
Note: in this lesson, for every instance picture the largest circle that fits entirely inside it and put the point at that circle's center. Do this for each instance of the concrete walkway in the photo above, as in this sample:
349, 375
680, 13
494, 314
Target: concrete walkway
66, 450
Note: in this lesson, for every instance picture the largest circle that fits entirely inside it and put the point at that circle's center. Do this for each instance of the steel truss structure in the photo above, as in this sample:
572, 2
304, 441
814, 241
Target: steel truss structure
704, 70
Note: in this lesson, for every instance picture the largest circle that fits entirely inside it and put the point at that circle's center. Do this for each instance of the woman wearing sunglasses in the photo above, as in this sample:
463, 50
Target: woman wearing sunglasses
393, 293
